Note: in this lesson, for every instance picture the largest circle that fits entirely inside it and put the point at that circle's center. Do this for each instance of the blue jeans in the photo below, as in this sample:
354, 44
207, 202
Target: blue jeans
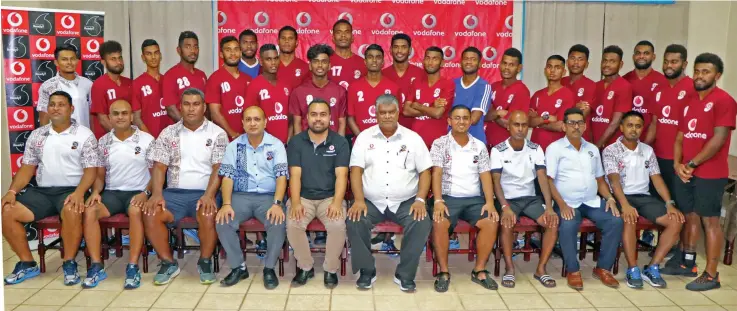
609, 225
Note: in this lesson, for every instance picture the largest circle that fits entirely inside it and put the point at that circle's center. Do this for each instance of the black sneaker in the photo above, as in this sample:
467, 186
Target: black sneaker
235, 276
271, 281
366, 280
405, 285
330, 280
302, 277
704, 282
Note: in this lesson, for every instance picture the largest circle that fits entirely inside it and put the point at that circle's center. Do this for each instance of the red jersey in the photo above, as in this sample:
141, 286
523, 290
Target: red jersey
333, 93
513, 97
346, 70
294, 74
424, 94
643, 92
700, 117
405, 85
178, 79
615, 97
104, 92
550, 104
668, 108
274, 100
362, 100
585, 90
147, 96
230, 92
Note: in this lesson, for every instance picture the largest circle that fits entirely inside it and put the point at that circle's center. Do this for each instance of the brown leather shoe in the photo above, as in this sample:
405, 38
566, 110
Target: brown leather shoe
606, 277
574, 280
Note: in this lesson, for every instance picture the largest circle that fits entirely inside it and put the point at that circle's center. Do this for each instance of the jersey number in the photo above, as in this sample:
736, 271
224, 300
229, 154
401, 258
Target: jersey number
264, 94
360, 96
336, 70
146, 89
111, 94
183, 82
225, 86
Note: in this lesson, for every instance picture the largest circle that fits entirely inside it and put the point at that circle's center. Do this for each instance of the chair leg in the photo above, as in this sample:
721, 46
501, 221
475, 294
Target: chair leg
728, 252
527, 247
216, 258
118, 242
471, 243
615, 269
563, 271
428, 249
583, 246
597, 245
343, 259
41, 250
285, 252
144, 252
180, 243
281, 267
497, 261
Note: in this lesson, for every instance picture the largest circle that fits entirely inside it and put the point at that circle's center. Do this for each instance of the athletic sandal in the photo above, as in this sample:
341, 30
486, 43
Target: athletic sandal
545, 280
508, 281
487, 283
442, 282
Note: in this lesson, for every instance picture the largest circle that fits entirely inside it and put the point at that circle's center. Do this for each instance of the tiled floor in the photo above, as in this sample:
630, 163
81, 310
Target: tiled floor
185, 293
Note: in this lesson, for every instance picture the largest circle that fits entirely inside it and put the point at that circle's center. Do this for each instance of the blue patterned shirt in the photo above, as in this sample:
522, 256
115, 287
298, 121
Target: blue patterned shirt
254, 170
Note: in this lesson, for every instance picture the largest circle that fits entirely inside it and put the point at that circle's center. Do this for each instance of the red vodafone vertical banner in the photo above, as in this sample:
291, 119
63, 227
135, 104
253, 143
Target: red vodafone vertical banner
451, 25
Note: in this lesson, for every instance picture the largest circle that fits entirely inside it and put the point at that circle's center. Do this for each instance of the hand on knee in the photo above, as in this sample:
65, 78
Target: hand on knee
134, 212
442, 225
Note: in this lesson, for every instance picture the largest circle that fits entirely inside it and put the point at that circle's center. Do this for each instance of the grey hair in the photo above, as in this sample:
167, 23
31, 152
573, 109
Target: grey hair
194, 91
387, 99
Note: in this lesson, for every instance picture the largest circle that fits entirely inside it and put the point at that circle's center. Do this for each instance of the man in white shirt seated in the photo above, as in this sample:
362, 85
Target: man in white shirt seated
515, 164
460, 173
630, 165
390, 179
64, 157
188, 154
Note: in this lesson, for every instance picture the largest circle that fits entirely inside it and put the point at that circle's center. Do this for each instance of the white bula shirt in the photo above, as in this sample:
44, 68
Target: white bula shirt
79, 89
633, 166
391, 165
518, 168
126, 167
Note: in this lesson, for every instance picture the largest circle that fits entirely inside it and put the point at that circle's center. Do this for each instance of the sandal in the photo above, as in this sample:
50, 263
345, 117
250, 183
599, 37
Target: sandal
442, 282
487, 283
545, 280
508, 281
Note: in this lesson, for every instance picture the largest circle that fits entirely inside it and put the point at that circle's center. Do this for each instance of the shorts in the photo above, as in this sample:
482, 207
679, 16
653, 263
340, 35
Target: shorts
182, 203
669, 176
117, 201
467, 209
44, 201
647, 206
700, 195
531, 206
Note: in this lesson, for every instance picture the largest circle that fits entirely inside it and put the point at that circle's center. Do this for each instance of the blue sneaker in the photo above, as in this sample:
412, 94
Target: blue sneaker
192, 234
24, 270
389, 246
652, 276
634, 278
168, 271
454, 244
204, 267
125, 239
132, 277
71, 277
95, 274
648, 237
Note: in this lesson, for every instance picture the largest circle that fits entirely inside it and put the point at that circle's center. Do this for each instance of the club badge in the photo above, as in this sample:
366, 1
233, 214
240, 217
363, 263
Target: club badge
75, 145
208, 143
475, 159
403, 149
269, 155
591, 154
137, 150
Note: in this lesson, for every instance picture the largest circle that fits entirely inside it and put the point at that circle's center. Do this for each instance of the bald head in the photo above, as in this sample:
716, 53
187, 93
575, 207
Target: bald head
518, 115
254, 111
120, 105
254, 121
121, 115
517, 125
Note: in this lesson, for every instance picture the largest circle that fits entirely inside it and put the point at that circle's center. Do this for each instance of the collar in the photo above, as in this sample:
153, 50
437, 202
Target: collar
250, 66
452, 141
71, 130
65, 81
398, 133
179, 126
328, 140
470, 85
584, 143
136, 137
621, 145
268, 140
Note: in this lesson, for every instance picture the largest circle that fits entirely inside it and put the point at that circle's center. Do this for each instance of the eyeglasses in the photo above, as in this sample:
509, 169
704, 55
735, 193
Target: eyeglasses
575, 123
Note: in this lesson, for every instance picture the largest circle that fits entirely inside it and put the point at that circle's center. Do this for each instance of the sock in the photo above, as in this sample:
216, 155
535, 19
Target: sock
242, 266
30, 263
689, 259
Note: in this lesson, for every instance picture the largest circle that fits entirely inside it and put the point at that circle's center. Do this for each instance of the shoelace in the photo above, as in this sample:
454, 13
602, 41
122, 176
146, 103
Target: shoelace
69, 268
634, 273
655, 272
93, 271
18, 268
130, 272
164, 267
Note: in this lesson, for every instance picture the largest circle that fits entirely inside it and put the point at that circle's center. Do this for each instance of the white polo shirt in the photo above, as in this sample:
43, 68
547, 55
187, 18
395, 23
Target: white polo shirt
518, 168
61, 157
461, 166
188, 154
126, 167
79, 89
391, 165
633, 166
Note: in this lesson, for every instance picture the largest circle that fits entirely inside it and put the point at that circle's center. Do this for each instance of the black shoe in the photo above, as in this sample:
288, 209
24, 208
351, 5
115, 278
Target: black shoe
331, 280
303, 276
271, 281
366, 280
235, 276
405, 285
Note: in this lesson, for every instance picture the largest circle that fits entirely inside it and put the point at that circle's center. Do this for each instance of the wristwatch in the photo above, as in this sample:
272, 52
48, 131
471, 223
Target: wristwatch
671, 202
147, 193
277, 202
692, 164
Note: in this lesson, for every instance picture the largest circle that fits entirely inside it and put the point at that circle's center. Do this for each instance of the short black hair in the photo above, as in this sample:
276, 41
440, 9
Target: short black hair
318, 49
613, 49
556, 57
402, 36
317, 101
148, 42
458, 107
247, 33
632, 113
472, 49
646, 43
513, 52
434, 49
571, 111
62, 93
342, 21
226, 40
267, 47
65, 47
679, 49
288, 28
709, 58
110, 47
374, 47
580, 48
187, 34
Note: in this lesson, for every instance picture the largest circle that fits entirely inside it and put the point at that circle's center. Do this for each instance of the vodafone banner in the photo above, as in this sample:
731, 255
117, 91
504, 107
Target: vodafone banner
449, 24
29, 39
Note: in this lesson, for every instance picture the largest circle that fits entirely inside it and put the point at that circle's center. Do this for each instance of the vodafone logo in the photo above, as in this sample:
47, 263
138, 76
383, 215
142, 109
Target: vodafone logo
278, 108
489, 53
14, 19
372, 111
429, 21
20, 116
470, 22
67, 22
600, 111
161, 104
261, 19
93, 46
304, 19
239, 101
666, 111
449, 52
362, 50
43, 44
508, 22
692, 125
17, 68
637, 101
346, 16
19, 162
387, 20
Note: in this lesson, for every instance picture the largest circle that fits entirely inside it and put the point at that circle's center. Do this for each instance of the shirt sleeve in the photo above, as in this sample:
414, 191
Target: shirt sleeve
482, 99
90, 153
539, 158
551, 161
484, 161
135, 98
725, 111
169, 90
358, 152
98, 98
422, 156
149, 149
624, 99
599, 172
213, 92
344, 154
342, 103
31, 155
611, 163
437, 152
43, 97
227, 166
293, 157
449, 94
652, 164
221, 141
495, 161
280, 161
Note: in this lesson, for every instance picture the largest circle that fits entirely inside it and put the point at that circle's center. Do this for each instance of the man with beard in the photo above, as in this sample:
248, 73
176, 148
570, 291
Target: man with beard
183, 75
549, 104
320, 57
249, 46
700, 158
271, 93
147, 90
66, 58
292, 70
430, 99
401, 71
318, 169
473, 92
508, 94
613, 98
362, 94
226, 90
583, 87
345, 67
110, 88
646, 82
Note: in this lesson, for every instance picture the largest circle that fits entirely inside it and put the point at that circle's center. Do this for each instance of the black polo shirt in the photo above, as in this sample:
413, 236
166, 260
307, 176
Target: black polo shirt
318, 163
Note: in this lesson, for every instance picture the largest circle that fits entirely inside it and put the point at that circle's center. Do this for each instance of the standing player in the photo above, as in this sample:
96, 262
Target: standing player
66, 58
550, 103
430, 99
292, 70
362, 94
146, 91
646, 82
507, 95
271, 94
579, 84
249, 46
183, 75
613, 98
401, 71
226, 90
345, 67
473, 92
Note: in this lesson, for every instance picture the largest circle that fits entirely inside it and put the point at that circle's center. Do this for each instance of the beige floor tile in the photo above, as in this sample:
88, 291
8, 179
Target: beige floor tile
36, 308
41, 281
313, 287
52, 297
135, 299
221, 301
125, 309
730, 307
688, 298
178, 300
482, 302
264, 302
565, 300
648, 299
702, 308
348, 287
576, 309
257, 286
351, 302
308, 302
722, 296
215, 309
16, 296
661, 308
619, 309
77, 308
524, 301
521, 286
159, 309
386, 286
561, 287
10, 307
607, 299
93, 298
187, 284
240, 288
448, 301
399, 302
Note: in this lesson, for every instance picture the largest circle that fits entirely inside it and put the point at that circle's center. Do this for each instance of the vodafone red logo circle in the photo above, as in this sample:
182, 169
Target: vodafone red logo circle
161, 104
278, 108
638, 101
15, 19
239, 101
692, 125
346, 16
19, 162
372, 111
20, 116
666, 111
508, 22
93, 46
67, 21
600, 111
261, 19
17, 68
43, 44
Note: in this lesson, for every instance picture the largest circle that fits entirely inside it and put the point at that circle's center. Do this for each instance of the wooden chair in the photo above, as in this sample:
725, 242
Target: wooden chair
191, 223
118, 223
316, 226
253, 225
461, 227
524, 225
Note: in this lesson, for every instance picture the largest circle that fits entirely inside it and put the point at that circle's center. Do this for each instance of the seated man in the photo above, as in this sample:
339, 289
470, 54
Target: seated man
63, 155
318, 165
187, 154
630, 166
254, 172
461, 187
515, 164
390, 164
575, 176
125, 177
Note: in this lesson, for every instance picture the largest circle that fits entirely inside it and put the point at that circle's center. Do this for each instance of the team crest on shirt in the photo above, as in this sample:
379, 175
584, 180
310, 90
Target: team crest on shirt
417, 94
580, 92
611, 95
436, 93
558, 103
298, 72
269, 155
475, 159
708, 106
387, 91
591, 154
333, 101
403, 149
75, 145
331, 149
137, 150
681, 95
286, 91
105, 151
356, 74
371, 147
657, 97
511, 97
652, 88
208, 143
493, 95
647, 164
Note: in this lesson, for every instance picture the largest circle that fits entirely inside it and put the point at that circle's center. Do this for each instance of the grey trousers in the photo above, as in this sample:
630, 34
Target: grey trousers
415, 237
246, 206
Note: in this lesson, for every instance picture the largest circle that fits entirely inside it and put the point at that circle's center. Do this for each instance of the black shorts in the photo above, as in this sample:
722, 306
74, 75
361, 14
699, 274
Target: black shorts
647, 206
700, 195
467, 209
532, 206
669, 176
117, 201
44, 201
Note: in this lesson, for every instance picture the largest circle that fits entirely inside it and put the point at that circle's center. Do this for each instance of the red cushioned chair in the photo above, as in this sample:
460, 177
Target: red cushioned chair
524, 225
316, 226
253, 225
461, 227
118, 223
191, 223
53, 222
